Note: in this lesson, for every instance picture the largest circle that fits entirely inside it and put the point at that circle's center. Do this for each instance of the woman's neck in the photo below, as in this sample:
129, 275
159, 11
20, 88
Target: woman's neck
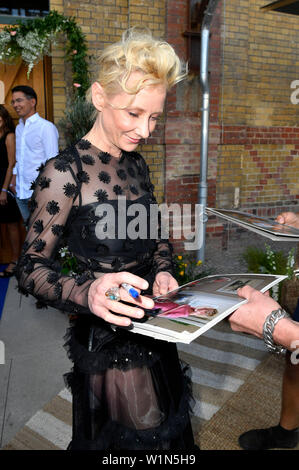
97, 137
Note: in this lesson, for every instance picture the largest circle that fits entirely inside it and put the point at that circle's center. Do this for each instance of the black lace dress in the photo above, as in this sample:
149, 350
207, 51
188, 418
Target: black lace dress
129, 391
8, 212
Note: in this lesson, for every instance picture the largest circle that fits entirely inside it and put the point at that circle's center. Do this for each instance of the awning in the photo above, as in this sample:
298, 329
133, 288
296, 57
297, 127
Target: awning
283, 6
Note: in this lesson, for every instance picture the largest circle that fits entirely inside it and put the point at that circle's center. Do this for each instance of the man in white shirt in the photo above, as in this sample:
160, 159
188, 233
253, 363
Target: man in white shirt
36, 142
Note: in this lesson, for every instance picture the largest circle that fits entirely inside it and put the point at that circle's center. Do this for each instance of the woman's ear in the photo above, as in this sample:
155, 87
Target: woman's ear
97, 96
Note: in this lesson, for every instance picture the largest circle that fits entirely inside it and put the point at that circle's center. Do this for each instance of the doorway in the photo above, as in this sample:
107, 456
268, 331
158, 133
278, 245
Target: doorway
40, 80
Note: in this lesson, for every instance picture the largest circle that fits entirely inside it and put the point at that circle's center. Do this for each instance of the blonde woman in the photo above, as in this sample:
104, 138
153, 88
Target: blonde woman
129, 391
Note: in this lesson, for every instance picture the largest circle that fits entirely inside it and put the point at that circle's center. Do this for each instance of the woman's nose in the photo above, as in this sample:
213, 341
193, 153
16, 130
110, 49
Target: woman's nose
144, 128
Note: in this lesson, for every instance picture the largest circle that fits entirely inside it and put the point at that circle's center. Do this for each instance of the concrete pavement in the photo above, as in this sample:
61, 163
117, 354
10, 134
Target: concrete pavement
35, 360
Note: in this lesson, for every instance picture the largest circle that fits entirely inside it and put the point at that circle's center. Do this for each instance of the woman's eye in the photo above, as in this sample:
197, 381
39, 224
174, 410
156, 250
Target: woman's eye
133, 114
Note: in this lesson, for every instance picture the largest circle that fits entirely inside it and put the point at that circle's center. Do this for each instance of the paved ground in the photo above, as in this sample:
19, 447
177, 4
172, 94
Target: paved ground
35, 360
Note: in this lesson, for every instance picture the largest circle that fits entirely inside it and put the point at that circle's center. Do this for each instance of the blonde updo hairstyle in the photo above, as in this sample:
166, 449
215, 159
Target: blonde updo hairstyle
138, 51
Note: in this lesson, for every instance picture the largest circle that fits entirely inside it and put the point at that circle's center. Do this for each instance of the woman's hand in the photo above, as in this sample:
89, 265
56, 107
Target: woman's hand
106, 309
288, 218
164, 282
12, 185
250, 317
3, 198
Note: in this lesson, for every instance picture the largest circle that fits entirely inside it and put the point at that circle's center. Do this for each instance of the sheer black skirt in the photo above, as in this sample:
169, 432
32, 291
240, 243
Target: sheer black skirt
130, 392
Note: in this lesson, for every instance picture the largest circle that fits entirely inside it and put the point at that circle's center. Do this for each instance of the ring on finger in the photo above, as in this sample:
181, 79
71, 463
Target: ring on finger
113, 293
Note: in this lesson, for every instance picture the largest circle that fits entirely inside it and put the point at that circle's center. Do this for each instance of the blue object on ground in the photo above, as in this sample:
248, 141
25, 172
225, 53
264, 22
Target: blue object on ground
3, 288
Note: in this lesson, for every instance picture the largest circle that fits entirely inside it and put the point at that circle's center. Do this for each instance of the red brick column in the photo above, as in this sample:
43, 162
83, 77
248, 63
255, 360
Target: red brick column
183, 121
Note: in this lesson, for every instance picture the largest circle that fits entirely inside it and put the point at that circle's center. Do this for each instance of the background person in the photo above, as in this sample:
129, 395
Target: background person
9, 212
36, 142
129, 391
250, 318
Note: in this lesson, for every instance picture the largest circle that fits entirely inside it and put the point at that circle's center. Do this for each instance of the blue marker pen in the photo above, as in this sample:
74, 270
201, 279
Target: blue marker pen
133, 292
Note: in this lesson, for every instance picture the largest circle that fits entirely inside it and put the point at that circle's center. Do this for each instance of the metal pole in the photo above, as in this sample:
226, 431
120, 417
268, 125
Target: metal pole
204, 81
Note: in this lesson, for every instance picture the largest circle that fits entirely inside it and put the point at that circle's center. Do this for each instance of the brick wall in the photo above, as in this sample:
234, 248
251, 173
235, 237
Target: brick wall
58, 72
258, 154
173, 152
183, 124
103, 23
253, 138
263, 163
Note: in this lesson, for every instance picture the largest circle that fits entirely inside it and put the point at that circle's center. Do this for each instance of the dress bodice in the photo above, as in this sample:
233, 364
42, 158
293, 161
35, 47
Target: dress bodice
119, 250
100, 206
125, 395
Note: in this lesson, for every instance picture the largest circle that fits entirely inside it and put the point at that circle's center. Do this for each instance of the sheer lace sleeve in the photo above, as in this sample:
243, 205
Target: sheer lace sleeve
56, 190
163, 257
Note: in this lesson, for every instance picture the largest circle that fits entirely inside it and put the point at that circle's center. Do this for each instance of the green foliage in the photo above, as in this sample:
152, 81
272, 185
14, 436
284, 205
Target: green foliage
32, 40
187, 268
69, 263
268, 261
79, 119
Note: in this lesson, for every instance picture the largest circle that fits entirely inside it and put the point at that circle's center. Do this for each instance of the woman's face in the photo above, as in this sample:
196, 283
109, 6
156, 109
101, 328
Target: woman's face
123, 129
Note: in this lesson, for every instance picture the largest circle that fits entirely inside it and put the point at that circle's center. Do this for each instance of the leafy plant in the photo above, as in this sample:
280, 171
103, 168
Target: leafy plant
187, 268
32, 40
269, 261
79, 119
69, 263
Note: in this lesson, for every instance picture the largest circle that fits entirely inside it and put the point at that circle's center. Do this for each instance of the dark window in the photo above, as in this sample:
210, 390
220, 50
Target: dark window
30, 8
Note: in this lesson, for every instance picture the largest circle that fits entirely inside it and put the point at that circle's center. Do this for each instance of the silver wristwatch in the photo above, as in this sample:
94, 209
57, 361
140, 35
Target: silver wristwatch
268, 329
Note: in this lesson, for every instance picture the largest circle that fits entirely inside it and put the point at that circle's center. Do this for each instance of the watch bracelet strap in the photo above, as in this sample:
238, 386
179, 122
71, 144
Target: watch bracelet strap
268, 329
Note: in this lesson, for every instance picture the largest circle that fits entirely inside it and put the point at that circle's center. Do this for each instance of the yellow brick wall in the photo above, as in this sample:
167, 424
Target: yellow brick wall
229, 174
272, 178
103, 22
258, 154
58, 71
265, 175
260, 60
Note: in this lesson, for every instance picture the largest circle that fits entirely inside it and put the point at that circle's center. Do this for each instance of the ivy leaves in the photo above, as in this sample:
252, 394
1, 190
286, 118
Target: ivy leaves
33, 39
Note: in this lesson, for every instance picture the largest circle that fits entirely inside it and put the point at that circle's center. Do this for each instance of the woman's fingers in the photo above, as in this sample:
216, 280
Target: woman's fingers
112, 309
102, 306
135, 310
141, 301
109, 317
123, 309
129, 278
116, 279
164, 282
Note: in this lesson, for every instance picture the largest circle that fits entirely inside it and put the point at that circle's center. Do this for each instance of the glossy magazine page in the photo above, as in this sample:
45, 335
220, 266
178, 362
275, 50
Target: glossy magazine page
187, 312
265, 227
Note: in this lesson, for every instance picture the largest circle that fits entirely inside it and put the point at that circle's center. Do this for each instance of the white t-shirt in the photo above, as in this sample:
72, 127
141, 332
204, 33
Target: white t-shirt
36, 142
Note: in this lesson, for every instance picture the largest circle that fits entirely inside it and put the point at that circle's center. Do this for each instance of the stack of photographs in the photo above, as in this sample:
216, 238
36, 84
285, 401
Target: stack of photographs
187, 312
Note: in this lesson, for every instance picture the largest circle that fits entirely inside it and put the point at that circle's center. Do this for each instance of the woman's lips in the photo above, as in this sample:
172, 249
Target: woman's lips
134, 141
